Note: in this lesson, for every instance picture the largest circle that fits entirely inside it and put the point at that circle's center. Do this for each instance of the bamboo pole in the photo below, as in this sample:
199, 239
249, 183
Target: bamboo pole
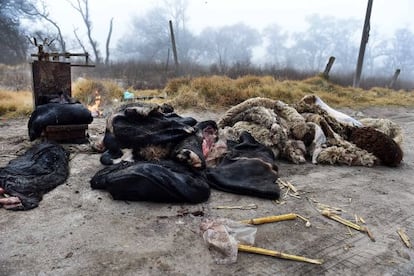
277, 254
269, 219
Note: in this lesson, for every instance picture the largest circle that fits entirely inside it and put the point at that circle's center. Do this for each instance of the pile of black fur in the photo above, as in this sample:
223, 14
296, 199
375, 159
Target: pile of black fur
28, 177
169, 159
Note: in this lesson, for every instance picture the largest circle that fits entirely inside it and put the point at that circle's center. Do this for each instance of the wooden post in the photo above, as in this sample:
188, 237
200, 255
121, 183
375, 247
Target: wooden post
364, 41
394, 79
174, 46
328, 67
168, 60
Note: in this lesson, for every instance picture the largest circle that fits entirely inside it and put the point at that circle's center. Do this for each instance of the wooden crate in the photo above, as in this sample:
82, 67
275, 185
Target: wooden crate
66, 133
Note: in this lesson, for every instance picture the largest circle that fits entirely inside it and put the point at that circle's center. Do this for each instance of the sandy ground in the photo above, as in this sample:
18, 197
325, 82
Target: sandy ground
79, 231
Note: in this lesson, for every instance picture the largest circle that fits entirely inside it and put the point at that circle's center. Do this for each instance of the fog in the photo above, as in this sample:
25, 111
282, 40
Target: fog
297, 34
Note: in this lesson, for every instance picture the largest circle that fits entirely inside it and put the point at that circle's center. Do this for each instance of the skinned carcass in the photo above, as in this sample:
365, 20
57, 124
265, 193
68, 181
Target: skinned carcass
26, 178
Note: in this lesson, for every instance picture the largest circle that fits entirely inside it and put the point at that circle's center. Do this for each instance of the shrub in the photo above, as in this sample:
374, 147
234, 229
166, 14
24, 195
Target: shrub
84, 91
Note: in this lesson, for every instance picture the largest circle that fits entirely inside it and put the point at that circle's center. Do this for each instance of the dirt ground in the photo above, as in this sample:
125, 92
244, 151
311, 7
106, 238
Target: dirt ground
79, 231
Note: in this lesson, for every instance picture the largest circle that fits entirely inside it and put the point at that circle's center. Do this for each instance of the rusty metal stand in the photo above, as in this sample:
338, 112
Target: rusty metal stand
52, 80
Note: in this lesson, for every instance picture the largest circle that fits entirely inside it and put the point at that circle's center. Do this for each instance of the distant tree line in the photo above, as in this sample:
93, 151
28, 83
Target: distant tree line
13, 44
220, 49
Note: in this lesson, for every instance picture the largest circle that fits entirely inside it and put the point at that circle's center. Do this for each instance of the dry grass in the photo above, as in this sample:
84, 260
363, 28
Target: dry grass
84, 91
15, 104
218, 92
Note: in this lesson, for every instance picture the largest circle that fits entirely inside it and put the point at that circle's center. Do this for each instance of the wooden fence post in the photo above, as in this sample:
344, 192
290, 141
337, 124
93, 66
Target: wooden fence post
394, 79
174, 48
364, 41
328, 67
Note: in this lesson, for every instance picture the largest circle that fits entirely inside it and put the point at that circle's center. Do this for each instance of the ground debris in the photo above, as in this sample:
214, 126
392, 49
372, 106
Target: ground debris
241, 207
404, 237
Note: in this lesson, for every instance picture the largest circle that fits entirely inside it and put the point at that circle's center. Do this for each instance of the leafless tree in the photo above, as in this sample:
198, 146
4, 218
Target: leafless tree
155, 39
42, 13
82, 6
13, 42
79, 40
229, 45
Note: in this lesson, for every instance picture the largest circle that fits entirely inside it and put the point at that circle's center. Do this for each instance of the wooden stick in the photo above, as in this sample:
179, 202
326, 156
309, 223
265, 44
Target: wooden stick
348, 223
241, 207
277, 254
269, 219
404, 237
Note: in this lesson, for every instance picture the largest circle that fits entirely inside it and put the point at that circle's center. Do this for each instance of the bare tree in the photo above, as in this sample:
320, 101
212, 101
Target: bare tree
153, 30
229, 45
13, 42
82, 6
79, 41
401, 53
42, 13
376, 55
275, 39
325, 36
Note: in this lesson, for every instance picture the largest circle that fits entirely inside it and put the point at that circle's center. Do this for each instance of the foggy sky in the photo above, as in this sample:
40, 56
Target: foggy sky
387, 16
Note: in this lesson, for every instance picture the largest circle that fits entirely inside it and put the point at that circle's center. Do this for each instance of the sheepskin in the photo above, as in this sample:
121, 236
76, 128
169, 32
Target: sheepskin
308, 104
378, 143
386, 126
311, 129
270, 122
227, 118
345, 156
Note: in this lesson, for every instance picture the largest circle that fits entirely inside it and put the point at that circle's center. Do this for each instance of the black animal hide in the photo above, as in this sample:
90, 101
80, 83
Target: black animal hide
165, 181
57, 114
139, 126
247, 169
41, 169
135, 130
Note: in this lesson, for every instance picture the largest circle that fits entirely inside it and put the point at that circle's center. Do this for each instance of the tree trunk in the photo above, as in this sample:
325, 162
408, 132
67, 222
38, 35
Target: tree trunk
84, 12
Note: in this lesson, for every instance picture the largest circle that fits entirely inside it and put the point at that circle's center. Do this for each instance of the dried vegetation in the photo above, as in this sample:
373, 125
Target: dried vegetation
218, 92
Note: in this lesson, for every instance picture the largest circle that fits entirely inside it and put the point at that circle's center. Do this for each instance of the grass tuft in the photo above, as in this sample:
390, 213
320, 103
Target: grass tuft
15, 103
